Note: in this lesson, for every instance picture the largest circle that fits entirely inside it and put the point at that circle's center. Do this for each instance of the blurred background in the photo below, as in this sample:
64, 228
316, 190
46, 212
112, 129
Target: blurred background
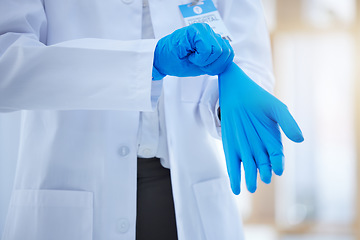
316, 52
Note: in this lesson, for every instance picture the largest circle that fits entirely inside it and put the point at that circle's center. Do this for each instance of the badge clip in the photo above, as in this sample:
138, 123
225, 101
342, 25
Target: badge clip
196, 2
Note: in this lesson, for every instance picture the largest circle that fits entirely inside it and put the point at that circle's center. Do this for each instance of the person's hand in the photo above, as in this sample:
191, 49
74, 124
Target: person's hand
250, 119
191, 51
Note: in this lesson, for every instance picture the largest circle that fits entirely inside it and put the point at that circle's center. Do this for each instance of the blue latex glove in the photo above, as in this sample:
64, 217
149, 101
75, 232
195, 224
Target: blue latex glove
191, 51
250, 119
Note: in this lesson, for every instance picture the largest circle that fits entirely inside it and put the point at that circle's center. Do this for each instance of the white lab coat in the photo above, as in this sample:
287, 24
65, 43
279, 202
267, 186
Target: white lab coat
81, 75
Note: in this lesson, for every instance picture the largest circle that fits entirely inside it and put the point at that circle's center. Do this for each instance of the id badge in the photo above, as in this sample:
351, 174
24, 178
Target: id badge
204, 11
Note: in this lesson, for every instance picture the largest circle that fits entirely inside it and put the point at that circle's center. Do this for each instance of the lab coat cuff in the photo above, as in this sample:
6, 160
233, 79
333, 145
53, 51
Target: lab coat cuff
145, 74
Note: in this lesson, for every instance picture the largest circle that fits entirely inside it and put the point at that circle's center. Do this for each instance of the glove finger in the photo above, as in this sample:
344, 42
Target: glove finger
250, 173
233, 162
170, 60
233, 166
263, 163
275, 151
288, 123
187, 70
257, 148
262, 159
205, 53
245, 151
207, 48
271, 138
220, 64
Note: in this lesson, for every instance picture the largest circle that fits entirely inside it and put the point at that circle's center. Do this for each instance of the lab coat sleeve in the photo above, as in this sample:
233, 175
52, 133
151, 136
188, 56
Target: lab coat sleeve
250, 40
77, 74
245, 20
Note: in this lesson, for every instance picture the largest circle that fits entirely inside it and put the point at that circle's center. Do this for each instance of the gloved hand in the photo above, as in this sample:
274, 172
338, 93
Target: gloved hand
250, 119
191, 51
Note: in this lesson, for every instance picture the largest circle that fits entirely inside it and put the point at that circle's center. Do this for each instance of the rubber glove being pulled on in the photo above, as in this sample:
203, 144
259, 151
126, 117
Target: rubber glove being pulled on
250, 119
191, 51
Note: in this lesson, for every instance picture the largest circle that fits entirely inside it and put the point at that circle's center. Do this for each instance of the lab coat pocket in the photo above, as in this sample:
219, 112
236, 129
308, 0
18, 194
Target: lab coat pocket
50, 214
218, 209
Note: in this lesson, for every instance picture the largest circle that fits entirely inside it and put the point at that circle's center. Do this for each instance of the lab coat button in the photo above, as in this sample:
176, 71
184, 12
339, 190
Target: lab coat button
122, 225
127, 1
124, 151
147, 152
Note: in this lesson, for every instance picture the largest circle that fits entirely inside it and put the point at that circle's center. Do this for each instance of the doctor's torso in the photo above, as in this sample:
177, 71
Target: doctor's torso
76, 174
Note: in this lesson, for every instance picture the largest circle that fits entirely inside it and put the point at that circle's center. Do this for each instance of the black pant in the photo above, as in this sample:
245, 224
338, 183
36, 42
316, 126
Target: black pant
155, 206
